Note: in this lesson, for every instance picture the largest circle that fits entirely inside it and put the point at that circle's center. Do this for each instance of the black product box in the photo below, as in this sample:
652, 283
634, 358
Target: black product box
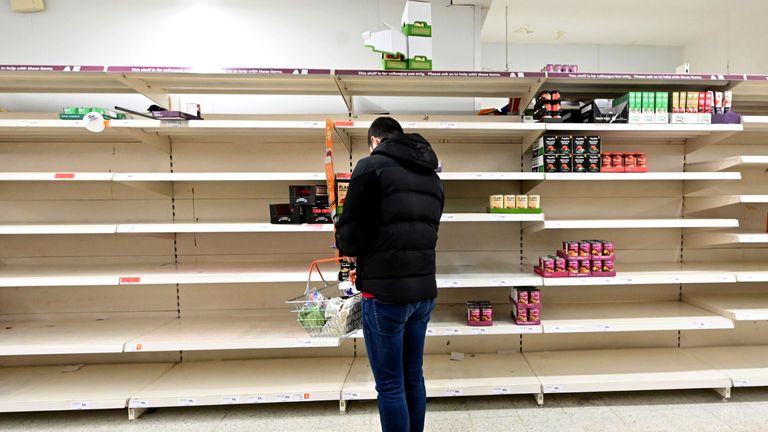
593, 145
546, 145
579, 145
564, 144
550, 163
591, 113
284, 214
594, 163
579, 163
318, 215
308, 195
564, 163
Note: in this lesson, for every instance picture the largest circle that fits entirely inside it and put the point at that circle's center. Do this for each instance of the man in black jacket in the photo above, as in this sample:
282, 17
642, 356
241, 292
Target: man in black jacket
389, 224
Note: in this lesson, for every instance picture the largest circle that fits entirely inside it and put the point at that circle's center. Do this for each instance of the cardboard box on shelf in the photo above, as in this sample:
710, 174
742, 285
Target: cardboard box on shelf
662, 108
389, 41
417, 19
419, 53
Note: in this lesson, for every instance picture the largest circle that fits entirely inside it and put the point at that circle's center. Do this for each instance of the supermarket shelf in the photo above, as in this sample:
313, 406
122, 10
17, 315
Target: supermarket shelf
89, 275
262, 329
721, 239
479, 277
476, 375
623, 370
451, 320
735, 161
633, 223
628, 316
218, 176
47, 130
55, 176
650, 176
491, 217
58, 229
487, 131
739, 307
64, 388
755, 123
744, 365
491, 176
220, 228
59, 334
246, 382
656, 274
698, 203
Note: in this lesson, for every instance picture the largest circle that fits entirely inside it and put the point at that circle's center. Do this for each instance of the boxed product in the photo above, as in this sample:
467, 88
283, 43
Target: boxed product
579, 145
692, 107
419, 53
534, 201
564, 144
318, 215
473, 313
526, 295
308, 195
678, 107
77, 113
593, 145
521, 201
579, 163
578, 259
526, 314
546, 145
514, 204
510, 201
392, 44
545, 163
496, 201
564, 163
593, 163
479, 313
417, 19
342, 186
662, 108
284, 214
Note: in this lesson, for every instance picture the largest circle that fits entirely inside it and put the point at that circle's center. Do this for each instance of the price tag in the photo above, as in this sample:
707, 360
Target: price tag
304, 342
552, 389
293, 397
138, 403
528, 329
64, 176
409, 125
454, 283
430, 332
454, 392
605, 327
186, 402
501, 391
501, 282
257, 399
28, 123
230, 400
130, 280
312, 124
449, 217
452, 331
479, 175
80, 405
740, 383
478, 331
447, 125
699, 325
351, 396
501, 217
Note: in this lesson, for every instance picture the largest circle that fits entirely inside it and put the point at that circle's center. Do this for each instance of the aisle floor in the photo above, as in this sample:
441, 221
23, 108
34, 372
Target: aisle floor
677, 411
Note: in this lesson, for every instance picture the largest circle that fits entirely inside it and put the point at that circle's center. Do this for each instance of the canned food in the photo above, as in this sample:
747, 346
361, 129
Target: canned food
607, 160
629, 160
617, 160
641, 160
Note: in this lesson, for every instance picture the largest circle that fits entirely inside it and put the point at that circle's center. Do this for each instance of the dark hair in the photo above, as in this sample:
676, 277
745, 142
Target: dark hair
384, 127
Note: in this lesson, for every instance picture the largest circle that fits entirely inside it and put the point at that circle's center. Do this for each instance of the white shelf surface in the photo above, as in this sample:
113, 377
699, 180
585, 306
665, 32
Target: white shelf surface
218, 176
58, 229
622, 370
635, 223
491, 176
263, 329
628, 316
55, 176
63, 388
687, 130
481, 277
755, 123
735, 161
63, 335
476, 375
739, 307
744, 365
219, 228
649, 176
451, 320
246, 382
655, 274
491, 217
718, 239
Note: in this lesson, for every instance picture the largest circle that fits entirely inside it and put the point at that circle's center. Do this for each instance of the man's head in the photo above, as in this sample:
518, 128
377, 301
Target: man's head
382, 127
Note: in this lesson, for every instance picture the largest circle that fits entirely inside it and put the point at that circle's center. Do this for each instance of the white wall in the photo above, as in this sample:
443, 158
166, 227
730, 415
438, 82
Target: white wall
590, 58
737, 48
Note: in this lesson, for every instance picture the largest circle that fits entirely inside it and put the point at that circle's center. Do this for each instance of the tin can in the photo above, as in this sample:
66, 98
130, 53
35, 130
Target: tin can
607, 160
630, 161
617, 160
641, 160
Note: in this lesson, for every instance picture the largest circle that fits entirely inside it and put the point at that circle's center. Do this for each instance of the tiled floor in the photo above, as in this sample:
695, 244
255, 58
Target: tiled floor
677, 411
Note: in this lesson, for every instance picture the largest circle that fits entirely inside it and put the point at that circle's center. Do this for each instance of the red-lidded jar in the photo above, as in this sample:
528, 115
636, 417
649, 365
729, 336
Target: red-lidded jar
630, 161
607, 160
617, 160
641, 160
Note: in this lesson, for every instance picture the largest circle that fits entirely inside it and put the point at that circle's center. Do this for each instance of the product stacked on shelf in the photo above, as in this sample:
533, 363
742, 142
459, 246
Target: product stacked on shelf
692, 107
514, 204
77, 113
308, 204
411, 46
583, 258
581, 154
548, 106
645, 107
526, 303
479, 313
560, 68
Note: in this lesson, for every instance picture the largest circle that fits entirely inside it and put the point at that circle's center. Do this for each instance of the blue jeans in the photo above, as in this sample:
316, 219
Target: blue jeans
394, 338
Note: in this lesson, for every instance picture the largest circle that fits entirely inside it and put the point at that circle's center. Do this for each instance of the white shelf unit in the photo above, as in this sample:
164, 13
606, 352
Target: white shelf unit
734, 306
475, 375
588, 371
744, 365
228, 275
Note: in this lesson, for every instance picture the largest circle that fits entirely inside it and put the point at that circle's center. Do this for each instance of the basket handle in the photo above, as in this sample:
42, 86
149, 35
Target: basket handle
315, 265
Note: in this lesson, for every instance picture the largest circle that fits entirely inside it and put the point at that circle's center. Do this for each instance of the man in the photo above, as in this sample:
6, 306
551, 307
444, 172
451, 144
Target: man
389, 224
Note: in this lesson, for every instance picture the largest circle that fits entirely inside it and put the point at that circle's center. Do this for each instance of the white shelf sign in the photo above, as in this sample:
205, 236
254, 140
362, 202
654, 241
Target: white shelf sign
452, 331
350, 396
257, 399
478, 331
230, 400
552, 389
740, 383
304, 342
186, 402
80, 405
138, 403
430, 332
501, 391
454, 392
292, 397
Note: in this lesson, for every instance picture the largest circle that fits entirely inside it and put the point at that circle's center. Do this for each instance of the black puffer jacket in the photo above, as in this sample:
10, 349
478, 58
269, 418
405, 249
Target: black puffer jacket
391, 218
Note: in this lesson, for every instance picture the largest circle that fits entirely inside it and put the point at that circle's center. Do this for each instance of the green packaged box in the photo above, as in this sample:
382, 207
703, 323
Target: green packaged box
419, 64
662, 102
417, 19
648, 102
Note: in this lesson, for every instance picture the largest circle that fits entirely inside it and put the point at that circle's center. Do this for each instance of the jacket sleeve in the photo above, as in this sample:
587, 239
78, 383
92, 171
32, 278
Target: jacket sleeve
350, 228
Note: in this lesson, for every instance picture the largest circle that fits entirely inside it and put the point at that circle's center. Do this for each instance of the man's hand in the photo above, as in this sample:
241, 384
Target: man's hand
350, 259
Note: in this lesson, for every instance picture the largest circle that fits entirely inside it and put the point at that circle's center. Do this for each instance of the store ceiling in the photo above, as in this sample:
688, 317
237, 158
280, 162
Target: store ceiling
644, 22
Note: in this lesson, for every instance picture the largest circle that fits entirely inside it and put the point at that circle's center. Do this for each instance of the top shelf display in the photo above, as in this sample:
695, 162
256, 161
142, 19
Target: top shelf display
749, 90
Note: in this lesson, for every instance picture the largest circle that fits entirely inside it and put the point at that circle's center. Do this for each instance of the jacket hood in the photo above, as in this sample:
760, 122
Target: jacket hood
411, 150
